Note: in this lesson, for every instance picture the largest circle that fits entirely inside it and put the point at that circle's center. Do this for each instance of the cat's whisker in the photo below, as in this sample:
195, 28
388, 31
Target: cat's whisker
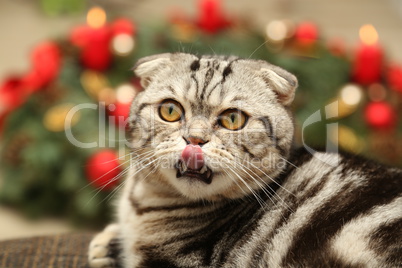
213, 51
94, 181
287, 161
118, 187
145, 166
247, 186
235, 181
191, 47
275, 195
106, 138
123, 156
246, 196
139, 149
273, 180
98, 190
119, 176
112, 180
255, 50
261, 186
150, 172
181, 47
114, 140
141, 155
258, 198
122, 164
114, 159
122, 184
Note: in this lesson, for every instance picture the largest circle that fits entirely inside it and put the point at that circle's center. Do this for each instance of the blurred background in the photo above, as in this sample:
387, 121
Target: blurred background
59, 54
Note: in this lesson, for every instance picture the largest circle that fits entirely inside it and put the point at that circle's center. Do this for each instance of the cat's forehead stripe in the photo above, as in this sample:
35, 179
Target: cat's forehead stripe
211, 66
208, 77
225, 73
195, 65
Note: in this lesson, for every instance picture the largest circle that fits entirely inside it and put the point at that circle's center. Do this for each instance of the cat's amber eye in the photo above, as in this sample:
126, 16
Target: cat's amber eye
171, 111
233, 119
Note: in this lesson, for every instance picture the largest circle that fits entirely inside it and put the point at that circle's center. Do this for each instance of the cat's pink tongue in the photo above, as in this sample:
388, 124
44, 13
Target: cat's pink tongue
192, 157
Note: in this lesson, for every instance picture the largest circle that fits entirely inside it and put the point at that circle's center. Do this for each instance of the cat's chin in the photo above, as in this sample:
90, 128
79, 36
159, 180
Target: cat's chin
204, 174
194, 187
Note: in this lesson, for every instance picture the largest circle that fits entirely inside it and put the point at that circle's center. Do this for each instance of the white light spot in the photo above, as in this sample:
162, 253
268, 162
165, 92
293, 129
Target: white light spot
351, 95
123, 44
125, 93
276, 30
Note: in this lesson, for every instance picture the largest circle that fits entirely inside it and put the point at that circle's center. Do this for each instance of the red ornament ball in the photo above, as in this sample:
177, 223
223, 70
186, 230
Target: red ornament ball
12, 94
394, 78
306, 33
97, 56
368, 64
380, 115
123, 26
95, 46
211, 18
46, 63
119, 112
103, 168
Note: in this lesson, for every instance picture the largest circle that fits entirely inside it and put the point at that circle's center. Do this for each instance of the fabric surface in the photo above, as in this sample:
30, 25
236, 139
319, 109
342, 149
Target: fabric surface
58, 251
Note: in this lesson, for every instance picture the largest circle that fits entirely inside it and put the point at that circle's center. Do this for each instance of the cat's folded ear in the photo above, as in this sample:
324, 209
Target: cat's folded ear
146, 68
283, 83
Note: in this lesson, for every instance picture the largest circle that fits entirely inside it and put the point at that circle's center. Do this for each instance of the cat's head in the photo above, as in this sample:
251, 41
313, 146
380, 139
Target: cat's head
211, 127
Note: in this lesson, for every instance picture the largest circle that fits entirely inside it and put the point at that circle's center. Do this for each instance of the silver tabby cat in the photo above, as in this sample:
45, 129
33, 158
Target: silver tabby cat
215, 181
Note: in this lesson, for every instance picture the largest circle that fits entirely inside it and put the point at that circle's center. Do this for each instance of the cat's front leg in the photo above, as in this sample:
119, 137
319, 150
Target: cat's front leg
104, 248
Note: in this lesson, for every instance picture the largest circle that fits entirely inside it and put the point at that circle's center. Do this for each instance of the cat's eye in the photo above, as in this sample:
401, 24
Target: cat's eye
171, 111
233, 119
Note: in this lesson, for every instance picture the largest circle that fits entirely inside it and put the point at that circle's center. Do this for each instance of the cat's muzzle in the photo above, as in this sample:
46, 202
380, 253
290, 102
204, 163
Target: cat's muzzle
204, 174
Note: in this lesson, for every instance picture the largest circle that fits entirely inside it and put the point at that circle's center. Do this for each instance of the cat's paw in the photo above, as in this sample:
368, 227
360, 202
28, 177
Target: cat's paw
103, 249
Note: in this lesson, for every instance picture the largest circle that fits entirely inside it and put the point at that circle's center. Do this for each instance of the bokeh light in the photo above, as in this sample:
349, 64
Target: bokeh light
276, 30
368, 34
351, 94
96, 17
123, 44
125, 93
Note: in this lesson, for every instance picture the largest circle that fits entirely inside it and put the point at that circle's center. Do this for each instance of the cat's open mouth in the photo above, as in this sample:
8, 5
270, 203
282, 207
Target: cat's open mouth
204, 174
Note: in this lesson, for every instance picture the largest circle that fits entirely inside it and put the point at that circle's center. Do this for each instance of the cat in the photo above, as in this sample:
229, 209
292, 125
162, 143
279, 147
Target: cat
219, 183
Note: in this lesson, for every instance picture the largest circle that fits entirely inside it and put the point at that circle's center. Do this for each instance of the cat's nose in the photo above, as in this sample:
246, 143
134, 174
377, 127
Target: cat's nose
195, 140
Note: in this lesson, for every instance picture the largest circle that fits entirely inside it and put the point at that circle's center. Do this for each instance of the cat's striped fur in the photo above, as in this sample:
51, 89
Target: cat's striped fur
296, 209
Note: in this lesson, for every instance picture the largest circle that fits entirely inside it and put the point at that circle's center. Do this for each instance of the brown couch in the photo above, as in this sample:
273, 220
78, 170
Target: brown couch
58, 251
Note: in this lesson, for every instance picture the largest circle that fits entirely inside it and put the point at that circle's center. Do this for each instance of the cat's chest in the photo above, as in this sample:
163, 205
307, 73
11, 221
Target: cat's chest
195, 233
